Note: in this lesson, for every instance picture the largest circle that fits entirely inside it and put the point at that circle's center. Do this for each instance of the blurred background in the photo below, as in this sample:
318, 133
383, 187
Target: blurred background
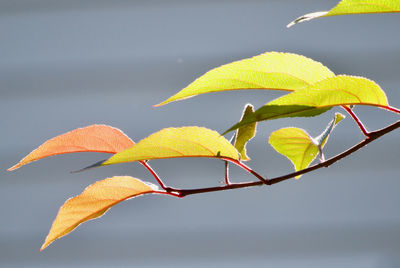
69, 64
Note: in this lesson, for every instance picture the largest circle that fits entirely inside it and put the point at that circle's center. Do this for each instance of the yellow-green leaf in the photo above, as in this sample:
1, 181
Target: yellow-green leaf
271, 70
244, 134
298, 146
177, 142
320, 97
93, 202
338, 90
347, 7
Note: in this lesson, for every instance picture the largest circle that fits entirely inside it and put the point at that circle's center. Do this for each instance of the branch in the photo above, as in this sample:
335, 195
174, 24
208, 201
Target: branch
371, 137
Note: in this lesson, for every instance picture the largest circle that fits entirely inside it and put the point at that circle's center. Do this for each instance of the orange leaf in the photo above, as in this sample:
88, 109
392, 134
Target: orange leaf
93, 202
94, 138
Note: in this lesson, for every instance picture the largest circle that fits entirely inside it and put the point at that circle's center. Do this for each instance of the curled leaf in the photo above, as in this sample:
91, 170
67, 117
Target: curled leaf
94, 138
271, 70
93, 202
245, 133
347, 7
323, 137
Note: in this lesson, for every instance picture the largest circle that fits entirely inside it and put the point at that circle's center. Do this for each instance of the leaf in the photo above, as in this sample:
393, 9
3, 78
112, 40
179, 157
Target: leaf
94, 138
323, 137
93, 202
298, 146
347, 7
319, 98
244, 134
271, 70
177, 142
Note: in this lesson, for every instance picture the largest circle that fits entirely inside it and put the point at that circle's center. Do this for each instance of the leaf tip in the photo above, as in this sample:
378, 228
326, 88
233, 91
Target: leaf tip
170, 99
291, 24
45, 244
16, 166
97, 164
229, 130
307, 17
338, 117
19, 164
158, 105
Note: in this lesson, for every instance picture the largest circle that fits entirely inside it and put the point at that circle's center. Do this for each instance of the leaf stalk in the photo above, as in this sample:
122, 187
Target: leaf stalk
357, 120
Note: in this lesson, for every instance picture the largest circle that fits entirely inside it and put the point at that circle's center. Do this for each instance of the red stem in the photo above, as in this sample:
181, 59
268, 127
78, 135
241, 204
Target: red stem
392, 109
169, 193
248, 169
357, 120
158, 179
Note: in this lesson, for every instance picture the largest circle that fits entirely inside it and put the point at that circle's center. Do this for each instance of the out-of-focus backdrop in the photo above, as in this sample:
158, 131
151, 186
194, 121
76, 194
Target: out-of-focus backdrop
68, 64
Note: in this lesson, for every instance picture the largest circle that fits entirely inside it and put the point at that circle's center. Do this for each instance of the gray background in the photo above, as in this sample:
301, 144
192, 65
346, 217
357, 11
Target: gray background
68, 64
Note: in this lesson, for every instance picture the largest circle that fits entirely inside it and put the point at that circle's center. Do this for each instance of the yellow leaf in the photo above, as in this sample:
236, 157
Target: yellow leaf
177, 142
272, 70
338, 90
93, 202
320, 97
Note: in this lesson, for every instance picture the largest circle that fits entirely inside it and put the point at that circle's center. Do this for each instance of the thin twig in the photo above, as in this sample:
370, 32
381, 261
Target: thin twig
248, 169
227, 182
158, 179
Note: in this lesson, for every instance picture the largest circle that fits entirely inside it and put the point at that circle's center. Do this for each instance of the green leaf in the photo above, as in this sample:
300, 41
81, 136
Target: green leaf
298, 146
177, 142
271, 70
319, 98
347, 7
245, 133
